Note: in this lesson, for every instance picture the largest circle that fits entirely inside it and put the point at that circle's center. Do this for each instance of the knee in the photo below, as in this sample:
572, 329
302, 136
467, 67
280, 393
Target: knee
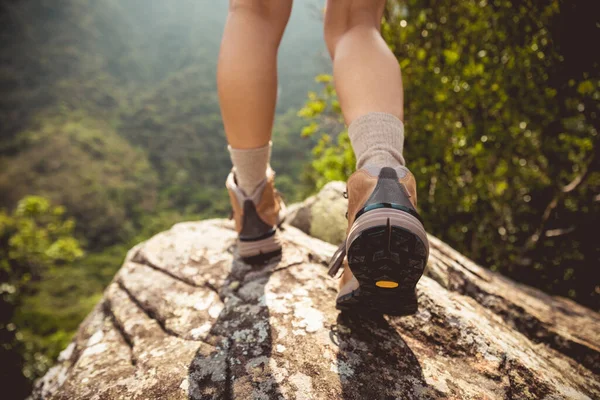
342, 16
267, 9
331, 34
272, 15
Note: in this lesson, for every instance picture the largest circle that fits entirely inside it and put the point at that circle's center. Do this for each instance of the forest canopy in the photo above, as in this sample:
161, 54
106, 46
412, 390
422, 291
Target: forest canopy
110, 131
502, 123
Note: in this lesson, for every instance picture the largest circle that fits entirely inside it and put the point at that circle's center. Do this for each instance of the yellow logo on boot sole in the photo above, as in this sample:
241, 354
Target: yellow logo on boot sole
387, 284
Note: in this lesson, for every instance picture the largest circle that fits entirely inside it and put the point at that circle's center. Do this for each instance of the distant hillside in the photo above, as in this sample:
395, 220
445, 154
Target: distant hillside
109, 108
147, 69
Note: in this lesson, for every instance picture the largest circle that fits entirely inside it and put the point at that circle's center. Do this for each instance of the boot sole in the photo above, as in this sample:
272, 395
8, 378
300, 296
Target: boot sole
387, 253
253, 250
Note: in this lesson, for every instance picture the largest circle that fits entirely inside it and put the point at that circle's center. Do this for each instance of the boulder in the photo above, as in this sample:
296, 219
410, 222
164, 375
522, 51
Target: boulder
185, 318
323, 215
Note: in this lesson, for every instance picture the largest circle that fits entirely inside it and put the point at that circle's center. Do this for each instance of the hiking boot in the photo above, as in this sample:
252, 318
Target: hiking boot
386, 244
257, 217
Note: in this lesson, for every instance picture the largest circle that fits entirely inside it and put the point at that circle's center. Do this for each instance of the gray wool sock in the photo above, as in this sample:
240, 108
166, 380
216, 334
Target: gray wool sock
250, 166
377, 139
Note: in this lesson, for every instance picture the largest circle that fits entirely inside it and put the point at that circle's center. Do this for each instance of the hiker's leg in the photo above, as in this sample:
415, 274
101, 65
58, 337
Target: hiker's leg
367, 75
386, 246
247, 82
367, 80
247, 71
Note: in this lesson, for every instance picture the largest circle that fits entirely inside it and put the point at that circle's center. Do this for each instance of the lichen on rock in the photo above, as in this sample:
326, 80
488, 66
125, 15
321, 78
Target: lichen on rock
185, 318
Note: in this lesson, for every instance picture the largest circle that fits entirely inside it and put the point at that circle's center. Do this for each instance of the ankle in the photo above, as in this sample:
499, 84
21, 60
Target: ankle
250, 167
378, 140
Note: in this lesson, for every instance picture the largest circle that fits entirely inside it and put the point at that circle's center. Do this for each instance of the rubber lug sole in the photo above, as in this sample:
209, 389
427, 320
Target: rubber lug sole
252, 251
387, 261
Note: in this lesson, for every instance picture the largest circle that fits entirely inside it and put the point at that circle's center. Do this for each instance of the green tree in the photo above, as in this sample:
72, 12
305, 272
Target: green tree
80, 161
501, 133
35, 239
110, 109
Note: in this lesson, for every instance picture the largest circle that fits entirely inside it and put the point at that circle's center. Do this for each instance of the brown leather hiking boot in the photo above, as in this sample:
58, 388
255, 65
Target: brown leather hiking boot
257, 217
386, 244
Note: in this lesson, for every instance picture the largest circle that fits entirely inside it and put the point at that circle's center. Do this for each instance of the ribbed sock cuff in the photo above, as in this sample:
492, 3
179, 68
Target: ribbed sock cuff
250, 166
377, 139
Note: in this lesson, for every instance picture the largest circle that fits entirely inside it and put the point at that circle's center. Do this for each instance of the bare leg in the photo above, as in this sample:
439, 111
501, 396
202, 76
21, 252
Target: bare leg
247, 83
369, 85
367, 80
366, 73
247, 70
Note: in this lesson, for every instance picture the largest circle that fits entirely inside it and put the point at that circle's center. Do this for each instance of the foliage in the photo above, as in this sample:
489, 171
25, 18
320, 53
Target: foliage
81, 162
290, 157
109, 108
502, 134
36, 239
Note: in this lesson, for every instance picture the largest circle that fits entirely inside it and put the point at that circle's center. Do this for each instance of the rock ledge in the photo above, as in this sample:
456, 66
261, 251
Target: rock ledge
185, 318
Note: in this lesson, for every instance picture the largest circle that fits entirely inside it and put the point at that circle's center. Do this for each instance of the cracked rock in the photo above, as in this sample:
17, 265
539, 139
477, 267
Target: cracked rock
185, 318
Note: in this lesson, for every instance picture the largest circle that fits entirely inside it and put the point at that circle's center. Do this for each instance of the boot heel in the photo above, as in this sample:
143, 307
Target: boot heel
268, 246
387, 253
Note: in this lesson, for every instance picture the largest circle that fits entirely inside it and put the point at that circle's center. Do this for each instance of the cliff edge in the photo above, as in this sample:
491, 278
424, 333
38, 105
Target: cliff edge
185, 318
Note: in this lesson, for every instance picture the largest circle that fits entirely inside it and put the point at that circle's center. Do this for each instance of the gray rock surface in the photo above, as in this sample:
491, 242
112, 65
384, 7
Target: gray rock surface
322, 215
184, 318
